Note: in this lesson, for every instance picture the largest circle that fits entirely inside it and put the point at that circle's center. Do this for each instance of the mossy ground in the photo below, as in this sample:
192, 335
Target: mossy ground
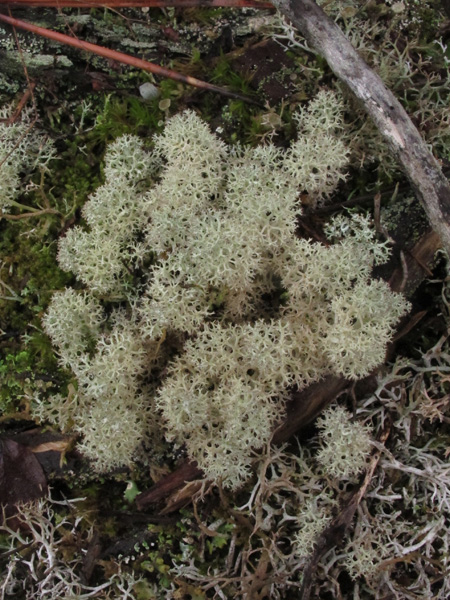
29, 273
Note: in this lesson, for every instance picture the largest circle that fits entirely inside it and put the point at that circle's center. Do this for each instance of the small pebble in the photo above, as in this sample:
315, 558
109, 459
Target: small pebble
149, 91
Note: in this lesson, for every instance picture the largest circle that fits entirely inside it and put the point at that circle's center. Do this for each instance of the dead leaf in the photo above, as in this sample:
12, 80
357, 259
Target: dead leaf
57, 446
21, 476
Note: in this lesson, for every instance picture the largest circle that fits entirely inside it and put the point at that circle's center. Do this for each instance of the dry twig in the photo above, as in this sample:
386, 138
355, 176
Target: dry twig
138, 3
122, 58
391, 119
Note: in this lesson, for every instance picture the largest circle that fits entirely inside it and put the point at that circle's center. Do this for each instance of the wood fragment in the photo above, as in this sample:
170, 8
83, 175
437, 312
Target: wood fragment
306, 405
21, 478
391, 119
418, 261
169, 484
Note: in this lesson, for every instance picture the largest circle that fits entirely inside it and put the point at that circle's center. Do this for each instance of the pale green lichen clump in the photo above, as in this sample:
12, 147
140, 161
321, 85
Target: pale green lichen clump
22, 149
345, 445
196, 340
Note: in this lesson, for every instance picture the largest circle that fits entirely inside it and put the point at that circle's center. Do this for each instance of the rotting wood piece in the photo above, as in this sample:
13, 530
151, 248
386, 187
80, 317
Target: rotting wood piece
304, 406
418, 261
169, 484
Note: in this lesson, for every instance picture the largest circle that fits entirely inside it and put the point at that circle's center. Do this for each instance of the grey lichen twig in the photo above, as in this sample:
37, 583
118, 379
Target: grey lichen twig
422, 169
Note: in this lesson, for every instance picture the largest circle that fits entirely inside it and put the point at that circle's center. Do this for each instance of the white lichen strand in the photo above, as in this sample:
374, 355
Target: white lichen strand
57, 538
317, 159
315, 516
217, 228
22, 150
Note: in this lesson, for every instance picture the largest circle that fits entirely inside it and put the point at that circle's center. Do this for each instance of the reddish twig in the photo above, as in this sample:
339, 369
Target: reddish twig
27, 95
139, 63
138, 3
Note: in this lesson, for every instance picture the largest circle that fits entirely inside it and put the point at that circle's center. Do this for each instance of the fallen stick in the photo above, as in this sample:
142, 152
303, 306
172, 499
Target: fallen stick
391, 119
169, 484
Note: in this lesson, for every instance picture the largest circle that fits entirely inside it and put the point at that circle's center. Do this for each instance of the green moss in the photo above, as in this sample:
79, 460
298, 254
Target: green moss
131, 115
223, 74
78, 169
205, 16
27, 360
29, 270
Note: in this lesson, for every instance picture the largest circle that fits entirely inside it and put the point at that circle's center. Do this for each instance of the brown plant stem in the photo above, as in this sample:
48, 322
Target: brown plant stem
26, 96
391, 119
138, 3
35, 213
139, 63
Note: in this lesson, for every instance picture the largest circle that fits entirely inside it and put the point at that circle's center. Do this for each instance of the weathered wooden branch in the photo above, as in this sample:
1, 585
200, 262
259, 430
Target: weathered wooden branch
419, 165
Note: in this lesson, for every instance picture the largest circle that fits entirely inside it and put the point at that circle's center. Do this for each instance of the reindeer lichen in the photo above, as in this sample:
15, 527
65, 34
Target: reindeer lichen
214, 307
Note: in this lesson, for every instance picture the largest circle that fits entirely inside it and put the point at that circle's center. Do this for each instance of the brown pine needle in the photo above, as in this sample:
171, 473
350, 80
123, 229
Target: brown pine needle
138, 3
139, 63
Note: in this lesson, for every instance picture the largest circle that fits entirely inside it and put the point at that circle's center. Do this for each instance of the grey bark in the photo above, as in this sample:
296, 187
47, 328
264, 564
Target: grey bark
422, 169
